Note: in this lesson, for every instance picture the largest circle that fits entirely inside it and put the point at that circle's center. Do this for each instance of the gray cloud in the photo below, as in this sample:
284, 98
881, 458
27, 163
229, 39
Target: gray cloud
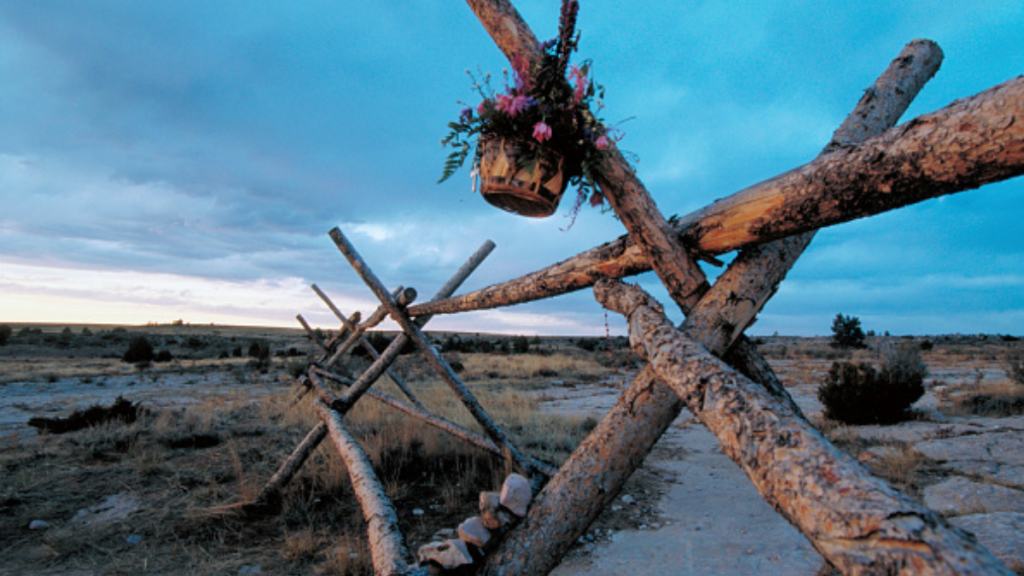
222, 141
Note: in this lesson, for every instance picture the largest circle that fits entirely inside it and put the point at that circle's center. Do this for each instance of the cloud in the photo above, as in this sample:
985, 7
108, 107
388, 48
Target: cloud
219, 142
35, 293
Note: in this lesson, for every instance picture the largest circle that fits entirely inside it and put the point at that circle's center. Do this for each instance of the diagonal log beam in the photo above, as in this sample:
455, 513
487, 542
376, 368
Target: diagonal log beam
387, 547
347, 324
740, 292
596, 471
972, 142
857, 522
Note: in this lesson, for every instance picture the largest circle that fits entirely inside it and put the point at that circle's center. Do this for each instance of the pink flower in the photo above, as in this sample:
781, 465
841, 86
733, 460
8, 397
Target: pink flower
581, 82
596, 198
601, 143
504, 103
518, 104
483, 106
541, 131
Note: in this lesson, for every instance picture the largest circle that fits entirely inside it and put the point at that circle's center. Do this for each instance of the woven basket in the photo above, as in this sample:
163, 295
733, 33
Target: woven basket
517, 190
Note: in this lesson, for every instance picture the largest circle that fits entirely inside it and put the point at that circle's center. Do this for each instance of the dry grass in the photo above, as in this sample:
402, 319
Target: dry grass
184, 466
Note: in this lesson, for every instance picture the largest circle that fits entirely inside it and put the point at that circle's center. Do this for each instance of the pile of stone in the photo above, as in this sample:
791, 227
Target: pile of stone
479, 534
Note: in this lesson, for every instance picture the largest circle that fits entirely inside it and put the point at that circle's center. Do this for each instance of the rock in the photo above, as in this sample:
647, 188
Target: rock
958, 496
1001, 532
1003, 447
116, 507
450, 554
628, 500
38, 525
473, 531
491, 513
443, 534
516, 494
133, 539
417, 512
249, 570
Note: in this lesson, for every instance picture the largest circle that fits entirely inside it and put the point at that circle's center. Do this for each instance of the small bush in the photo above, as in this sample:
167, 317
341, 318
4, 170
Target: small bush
847, 333
139, 350
5, 333
1015, 367
991, 405
163, 356
860, 394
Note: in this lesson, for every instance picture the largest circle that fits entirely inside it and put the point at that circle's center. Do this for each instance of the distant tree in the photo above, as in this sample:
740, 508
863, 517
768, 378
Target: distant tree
139, 350
847, 333
5, 333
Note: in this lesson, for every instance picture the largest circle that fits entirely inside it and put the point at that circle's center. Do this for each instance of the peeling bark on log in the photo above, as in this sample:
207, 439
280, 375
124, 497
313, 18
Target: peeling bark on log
387, 548
507, 28
624, 437
631, 202
857, 522
972, 142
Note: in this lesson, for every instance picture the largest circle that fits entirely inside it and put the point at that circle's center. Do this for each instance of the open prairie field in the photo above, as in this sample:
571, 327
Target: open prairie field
215, 415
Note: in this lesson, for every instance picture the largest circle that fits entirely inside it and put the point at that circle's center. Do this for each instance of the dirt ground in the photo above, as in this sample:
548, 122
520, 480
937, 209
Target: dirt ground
688, 508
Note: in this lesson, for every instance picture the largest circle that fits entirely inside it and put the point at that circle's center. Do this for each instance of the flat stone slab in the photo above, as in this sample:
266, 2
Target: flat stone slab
957, 496
1005, 448
711, 521
1001, 532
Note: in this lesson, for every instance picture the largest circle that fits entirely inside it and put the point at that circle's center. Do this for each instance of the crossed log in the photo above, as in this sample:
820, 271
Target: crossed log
857, 522
972, 142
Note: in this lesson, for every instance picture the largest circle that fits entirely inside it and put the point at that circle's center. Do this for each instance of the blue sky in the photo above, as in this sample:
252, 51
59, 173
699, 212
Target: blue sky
165, 160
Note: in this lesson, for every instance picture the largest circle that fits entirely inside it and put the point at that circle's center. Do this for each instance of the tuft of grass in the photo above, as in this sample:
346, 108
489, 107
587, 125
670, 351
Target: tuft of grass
998, 399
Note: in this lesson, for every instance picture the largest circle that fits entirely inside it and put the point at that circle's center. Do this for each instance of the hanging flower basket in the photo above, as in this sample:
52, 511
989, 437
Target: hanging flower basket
507, 184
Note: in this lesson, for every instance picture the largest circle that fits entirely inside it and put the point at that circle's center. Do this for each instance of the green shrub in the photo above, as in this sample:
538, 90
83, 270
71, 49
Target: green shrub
860, 394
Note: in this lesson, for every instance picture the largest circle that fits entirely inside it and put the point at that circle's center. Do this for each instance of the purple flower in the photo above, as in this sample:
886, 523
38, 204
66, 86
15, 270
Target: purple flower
466, 115
541, 131
601, 143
